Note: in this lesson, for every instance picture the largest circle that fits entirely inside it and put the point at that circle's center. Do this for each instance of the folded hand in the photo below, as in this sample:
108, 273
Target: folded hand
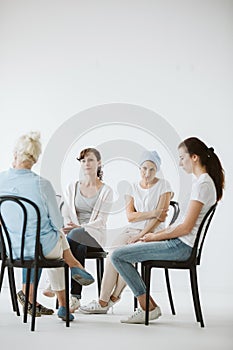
70, 227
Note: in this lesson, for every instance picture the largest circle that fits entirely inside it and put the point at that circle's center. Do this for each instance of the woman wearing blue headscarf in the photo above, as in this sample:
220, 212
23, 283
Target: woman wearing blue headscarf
147, 202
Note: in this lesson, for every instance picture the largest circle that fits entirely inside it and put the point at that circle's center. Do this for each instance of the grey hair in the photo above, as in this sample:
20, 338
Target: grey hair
28, 147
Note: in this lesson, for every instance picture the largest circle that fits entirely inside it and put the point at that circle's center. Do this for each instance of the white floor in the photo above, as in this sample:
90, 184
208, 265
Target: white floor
101, 331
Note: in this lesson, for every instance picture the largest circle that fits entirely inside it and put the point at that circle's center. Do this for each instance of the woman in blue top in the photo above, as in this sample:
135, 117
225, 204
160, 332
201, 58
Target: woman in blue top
22, 181
174, 242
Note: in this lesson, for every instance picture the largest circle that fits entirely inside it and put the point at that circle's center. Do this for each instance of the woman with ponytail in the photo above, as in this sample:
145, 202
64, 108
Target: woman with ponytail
86, 207
176, 241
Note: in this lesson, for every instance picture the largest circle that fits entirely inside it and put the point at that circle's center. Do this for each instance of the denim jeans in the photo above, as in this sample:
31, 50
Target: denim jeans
123, 259
31, 276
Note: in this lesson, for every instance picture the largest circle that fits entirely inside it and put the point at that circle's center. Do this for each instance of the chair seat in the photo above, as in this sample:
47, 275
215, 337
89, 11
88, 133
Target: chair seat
41, 263
96, 255
169, 264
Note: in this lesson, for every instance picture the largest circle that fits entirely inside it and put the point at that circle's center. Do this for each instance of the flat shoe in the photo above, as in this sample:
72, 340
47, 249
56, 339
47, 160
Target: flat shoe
21, 298
62, 314
44, 310
81, 276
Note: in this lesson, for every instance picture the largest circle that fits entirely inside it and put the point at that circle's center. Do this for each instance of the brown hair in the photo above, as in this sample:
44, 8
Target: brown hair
209, 159
84, 153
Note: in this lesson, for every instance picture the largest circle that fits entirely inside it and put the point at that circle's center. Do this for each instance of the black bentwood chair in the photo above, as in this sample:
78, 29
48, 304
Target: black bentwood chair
174, 206
190, 264
26, 209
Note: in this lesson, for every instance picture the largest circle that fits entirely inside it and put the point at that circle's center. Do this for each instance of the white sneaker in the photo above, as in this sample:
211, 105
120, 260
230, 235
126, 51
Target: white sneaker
139, 316
74, 304
94, 308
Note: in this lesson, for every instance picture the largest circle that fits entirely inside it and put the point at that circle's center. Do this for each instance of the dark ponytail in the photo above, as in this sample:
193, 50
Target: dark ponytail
209, 159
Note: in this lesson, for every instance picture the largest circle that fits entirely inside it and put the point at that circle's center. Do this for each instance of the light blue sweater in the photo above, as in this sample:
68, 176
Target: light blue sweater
26, 183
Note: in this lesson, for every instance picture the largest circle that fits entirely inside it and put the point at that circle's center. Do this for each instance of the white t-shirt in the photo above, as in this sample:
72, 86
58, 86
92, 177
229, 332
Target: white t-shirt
147, 200
204, 191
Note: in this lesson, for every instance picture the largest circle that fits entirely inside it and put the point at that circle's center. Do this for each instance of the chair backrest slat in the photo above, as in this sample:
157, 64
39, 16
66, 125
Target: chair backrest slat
201, 234
176, 211
6, 235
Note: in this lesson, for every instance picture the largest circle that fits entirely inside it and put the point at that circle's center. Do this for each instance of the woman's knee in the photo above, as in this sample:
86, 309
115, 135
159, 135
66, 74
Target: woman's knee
115, 256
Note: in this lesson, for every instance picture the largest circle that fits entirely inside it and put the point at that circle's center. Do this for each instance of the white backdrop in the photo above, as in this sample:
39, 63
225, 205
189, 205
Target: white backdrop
61, 57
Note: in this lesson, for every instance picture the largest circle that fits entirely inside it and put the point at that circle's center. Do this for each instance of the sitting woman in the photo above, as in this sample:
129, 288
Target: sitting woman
175, 242
22, 181
86, 208
146, 208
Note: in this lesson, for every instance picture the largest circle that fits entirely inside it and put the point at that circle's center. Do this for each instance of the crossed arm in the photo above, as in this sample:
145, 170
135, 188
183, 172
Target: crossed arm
183, 229
155, 216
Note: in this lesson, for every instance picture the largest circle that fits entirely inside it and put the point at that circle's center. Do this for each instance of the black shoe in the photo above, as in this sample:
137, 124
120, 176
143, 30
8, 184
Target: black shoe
21, 298
38, 313
44, 310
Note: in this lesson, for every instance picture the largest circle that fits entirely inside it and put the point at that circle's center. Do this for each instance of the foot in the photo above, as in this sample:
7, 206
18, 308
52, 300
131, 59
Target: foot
44, 310
21, 298
81, 276
139, 316
62, 314
48, 292
74, 304
111, 302
94, 308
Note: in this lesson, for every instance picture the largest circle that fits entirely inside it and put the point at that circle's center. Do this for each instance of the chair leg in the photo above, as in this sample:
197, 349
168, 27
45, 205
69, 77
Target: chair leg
195, 293
147, 276
135, 299
66, 271
169, 291
13, 290
36, 281
2, 274
100, 272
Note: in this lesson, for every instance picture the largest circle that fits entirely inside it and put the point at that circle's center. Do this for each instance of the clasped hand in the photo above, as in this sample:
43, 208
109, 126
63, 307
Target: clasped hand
70, 227
148, 237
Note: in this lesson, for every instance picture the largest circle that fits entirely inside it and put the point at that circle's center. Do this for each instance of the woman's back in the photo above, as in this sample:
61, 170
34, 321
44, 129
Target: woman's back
25, 183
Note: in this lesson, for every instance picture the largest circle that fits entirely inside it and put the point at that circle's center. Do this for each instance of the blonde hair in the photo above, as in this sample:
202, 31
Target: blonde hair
28, 147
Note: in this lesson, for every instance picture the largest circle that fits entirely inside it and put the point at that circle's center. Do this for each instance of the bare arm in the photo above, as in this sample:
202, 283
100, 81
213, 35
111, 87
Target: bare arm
162, 207
180, 230
134, 216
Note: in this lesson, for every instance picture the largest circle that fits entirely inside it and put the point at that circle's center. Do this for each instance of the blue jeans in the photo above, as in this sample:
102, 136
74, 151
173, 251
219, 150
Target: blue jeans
31, 276
124, 257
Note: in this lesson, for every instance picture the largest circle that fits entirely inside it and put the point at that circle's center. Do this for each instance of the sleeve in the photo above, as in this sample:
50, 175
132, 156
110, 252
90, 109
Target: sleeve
200, 193
66, 207
166, 187
51, 206
104, 209
129, 191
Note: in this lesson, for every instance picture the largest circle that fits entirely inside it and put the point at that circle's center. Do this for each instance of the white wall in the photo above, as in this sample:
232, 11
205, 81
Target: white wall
61, 57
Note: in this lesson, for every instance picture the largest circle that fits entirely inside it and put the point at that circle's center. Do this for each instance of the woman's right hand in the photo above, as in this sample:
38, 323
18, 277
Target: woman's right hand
70, 227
